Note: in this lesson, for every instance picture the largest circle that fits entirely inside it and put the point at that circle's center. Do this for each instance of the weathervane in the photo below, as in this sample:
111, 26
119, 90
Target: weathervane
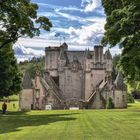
59, 35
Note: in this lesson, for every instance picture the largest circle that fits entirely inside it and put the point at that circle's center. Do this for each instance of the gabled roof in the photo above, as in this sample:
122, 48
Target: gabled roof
64, 46
119, 82
27, 81
108, 55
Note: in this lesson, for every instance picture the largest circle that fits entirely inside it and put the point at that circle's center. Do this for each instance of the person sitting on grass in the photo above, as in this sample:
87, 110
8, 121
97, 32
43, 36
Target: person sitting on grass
4, 107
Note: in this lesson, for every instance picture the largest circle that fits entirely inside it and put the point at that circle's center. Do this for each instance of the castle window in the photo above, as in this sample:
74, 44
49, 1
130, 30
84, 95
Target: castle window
91, 75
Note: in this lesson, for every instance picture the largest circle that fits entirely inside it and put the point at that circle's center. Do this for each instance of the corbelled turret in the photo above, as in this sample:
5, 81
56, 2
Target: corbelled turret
108, 61
119, 82
108, 55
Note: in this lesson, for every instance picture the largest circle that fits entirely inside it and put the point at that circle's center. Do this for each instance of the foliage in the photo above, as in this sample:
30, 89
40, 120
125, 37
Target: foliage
130, 98
116, 59
10, 77
134, 88
34, 65
136, 94
19, 18
9, 98
123, 28
110, 104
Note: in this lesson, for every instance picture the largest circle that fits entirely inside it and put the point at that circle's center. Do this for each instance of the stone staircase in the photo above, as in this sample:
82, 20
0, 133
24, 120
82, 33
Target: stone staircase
53, 86
99, 87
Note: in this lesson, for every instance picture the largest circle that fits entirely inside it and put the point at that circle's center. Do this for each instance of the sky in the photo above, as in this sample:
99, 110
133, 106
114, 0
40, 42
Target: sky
80, 23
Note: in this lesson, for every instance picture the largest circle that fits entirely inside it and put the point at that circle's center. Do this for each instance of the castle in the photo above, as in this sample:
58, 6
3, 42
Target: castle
80, 79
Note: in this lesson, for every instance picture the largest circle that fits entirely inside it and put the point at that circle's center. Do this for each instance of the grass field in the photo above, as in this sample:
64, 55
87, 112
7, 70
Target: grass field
118, 124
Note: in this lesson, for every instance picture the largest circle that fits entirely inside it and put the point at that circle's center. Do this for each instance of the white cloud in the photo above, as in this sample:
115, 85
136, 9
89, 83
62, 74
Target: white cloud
91, 34
36, 42
47, 14
70, 8
90, 5
87, 34
71, 17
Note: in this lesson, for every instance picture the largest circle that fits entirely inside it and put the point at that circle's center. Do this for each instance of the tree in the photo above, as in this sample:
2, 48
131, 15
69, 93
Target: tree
19, 18
116, 59
123, 28
36, 64
10, 77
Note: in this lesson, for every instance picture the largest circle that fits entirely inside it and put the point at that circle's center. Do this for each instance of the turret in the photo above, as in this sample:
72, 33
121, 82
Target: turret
108, 61
64, 46
98, 57
88, 58
63, 58
119, 84
98, 54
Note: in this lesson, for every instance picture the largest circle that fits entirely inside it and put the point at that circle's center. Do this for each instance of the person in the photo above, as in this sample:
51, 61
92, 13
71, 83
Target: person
14, 106
4, 108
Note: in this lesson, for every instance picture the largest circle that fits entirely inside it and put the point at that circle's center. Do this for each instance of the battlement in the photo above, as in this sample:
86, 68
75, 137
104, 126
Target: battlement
54, 48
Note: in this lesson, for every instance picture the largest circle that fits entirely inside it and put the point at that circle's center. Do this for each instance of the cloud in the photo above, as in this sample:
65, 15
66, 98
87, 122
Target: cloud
86, 34
71, 17
91, 5
70, 8
23, 53
47, 14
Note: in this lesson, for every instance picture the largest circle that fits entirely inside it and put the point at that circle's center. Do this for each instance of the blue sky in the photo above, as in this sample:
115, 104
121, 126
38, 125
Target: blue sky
80, 22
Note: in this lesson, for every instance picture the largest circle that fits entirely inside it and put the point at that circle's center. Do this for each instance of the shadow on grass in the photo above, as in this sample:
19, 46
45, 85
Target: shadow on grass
15, 120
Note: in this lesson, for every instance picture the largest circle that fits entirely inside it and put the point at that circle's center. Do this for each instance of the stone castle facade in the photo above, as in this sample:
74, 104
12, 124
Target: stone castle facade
79, 79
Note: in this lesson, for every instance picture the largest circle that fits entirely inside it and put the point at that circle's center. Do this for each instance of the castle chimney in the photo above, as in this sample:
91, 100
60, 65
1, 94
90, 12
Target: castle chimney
98, 53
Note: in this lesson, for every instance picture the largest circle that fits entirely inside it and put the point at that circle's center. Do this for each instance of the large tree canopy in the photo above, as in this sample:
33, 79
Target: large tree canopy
19, 18
123, 28
10, 77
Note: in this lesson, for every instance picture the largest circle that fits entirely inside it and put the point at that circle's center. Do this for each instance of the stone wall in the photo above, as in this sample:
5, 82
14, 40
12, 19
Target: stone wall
120, 99
51, 61
52, 100
71, 84
26, 99
39, 88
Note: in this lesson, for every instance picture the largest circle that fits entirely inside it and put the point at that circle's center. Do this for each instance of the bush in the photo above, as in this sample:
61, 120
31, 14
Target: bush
110, 104
130, 98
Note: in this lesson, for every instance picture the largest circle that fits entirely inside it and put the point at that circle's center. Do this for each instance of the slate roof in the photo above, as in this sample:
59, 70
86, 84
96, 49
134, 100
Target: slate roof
119, 82
27, 81
108, 55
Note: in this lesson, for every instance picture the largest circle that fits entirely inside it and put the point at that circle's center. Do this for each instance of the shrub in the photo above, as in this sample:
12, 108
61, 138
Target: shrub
110, 104
130, 98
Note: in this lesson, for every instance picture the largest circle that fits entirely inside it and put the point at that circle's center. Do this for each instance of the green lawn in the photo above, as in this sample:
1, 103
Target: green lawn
118, 124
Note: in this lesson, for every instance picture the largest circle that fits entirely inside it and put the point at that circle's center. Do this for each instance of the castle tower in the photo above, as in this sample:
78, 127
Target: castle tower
51, 60
98, 58
108, 61
63, 58
88, 60
120, 92
98, 54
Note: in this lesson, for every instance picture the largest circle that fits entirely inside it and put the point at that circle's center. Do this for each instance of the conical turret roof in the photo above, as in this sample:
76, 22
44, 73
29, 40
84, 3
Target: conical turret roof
27, 81
119, 82
108, 55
